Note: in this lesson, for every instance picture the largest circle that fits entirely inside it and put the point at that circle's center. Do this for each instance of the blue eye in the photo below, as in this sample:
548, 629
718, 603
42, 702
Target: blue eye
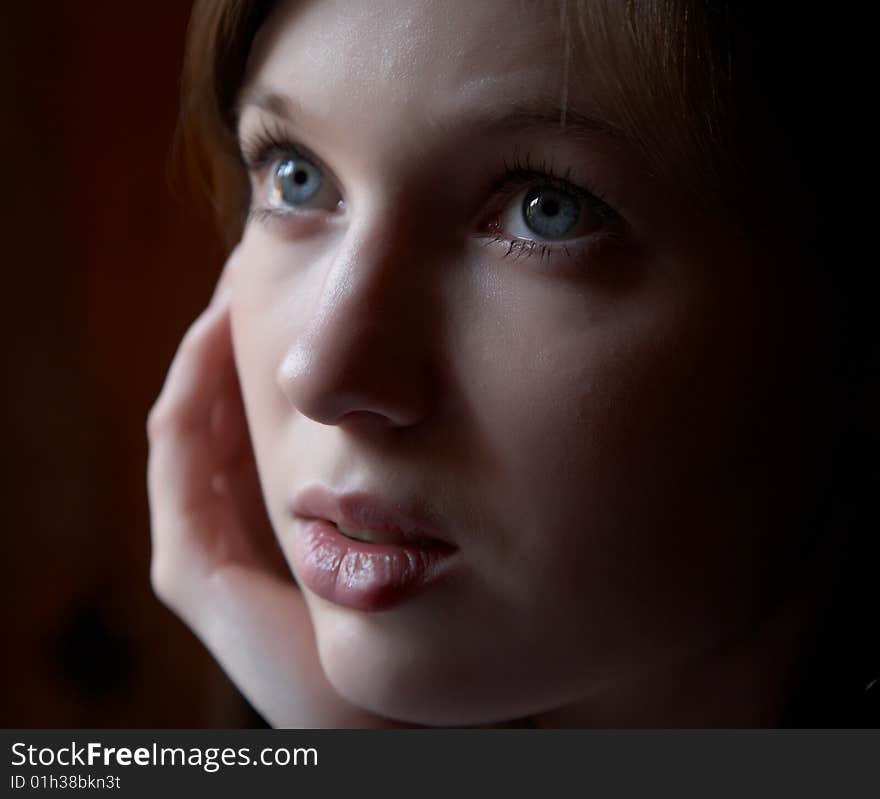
544, 213
297, 183
549, 212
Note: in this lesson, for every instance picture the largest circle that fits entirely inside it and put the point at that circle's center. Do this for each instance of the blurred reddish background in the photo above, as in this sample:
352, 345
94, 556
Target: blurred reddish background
103, 271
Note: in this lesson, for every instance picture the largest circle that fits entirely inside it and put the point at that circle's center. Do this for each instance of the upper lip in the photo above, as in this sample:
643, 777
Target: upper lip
363, 511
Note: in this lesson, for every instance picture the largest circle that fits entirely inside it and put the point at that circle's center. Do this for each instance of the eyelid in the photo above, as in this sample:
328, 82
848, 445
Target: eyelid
270, 142
521, 174
261, 151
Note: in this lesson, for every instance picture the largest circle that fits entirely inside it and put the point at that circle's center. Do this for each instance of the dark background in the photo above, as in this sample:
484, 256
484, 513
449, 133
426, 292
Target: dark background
103, 270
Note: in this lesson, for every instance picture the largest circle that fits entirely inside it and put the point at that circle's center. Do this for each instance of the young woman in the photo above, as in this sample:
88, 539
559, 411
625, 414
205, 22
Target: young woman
529, 390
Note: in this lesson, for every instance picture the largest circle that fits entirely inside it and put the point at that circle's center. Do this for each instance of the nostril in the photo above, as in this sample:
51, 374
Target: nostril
351, 366
353, 387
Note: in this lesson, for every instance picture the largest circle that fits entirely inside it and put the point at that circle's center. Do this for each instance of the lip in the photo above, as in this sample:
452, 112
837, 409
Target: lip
363, 575
358, 509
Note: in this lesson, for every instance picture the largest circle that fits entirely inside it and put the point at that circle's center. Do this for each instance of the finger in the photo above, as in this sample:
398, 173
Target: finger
236, 476
228, 425
183, 455
202, 365
206, 504
250, 535
224, 282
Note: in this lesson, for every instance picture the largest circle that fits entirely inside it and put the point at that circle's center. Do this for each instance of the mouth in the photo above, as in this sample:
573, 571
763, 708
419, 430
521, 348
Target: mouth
364, 575
369, 519
364, 553
385, 537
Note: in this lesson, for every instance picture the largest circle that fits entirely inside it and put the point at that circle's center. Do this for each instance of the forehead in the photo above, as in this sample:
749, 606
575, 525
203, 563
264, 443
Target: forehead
416, 54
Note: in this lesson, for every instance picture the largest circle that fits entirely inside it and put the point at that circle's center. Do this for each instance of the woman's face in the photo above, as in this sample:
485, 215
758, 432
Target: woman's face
453, 300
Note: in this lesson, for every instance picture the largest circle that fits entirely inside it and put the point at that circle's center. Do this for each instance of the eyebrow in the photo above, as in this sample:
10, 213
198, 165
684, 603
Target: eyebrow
276, 104
514, 116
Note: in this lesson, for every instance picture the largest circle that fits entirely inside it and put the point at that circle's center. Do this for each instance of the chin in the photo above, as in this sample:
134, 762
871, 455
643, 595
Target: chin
422, 685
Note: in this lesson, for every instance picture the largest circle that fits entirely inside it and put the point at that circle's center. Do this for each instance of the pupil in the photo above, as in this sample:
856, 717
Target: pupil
550, 207
300, 177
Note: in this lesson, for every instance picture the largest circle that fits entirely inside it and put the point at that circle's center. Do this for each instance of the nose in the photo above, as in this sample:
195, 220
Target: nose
363, 358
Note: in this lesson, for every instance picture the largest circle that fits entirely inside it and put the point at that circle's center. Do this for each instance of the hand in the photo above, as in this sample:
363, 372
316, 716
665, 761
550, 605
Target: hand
215, 560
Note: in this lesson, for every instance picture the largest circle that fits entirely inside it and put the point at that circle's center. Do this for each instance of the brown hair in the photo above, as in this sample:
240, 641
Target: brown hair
219, 39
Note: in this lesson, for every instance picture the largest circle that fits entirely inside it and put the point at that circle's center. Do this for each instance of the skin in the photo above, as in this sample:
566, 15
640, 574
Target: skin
614, 438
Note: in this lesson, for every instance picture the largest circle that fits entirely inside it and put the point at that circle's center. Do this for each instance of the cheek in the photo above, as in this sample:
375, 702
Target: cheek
262, 329
626, 452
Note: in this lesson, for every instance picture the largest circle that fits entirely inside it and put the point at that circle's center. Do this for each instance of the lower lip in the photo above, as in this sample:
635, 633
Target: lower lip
361, 575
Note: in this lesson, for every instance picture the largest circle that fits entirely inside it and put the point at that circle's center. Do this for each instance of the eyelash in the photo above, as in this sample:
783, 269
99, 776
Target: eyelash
261, 148
520, 173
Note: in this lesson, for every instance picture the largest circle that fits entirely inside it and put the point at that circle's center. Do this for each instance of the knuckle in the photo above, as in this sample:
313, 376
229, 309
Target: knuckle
163, 582
172, 589
157, 421
190, 341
